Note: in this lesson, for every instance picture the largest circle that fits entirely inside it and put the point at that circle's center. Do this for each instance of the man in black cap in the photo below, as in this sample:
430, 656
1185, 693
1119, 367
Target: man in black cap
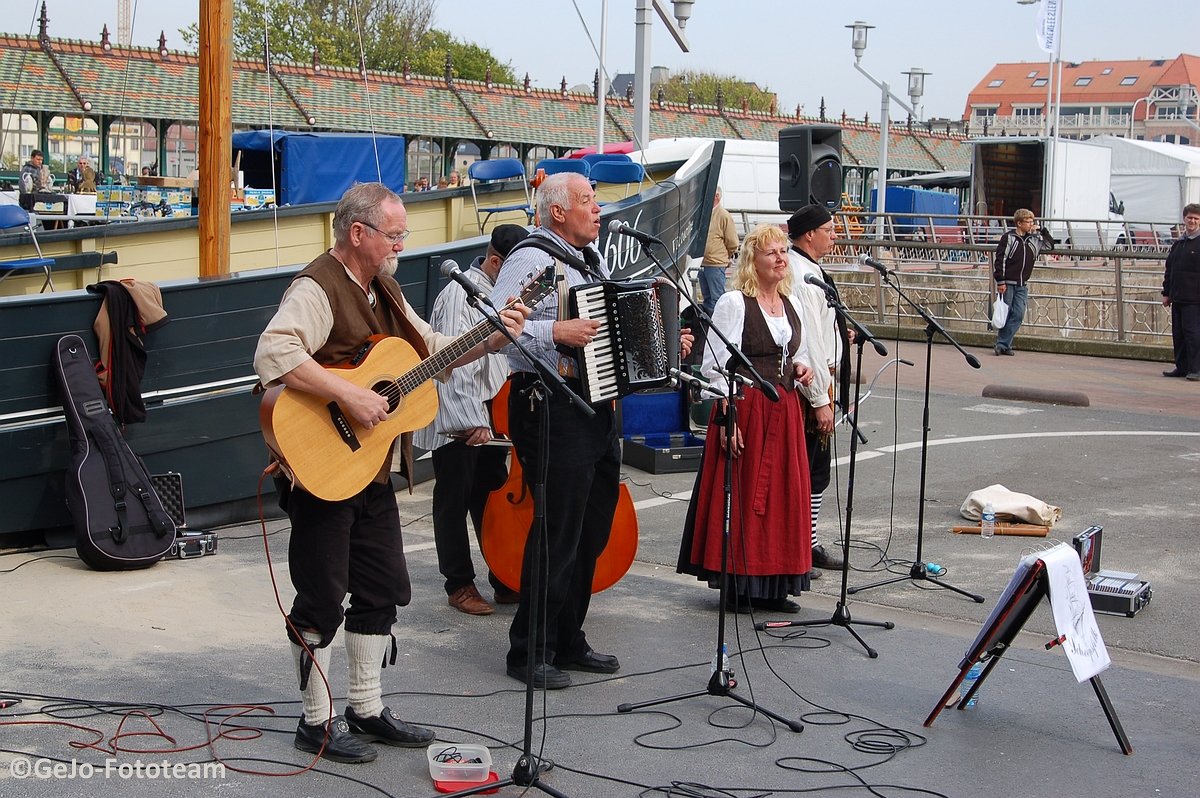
811, 232
466, 468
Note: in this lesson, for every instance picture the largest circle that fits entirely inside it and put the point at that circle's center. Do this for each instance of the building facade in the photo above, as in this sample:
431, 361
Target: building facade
1151, 100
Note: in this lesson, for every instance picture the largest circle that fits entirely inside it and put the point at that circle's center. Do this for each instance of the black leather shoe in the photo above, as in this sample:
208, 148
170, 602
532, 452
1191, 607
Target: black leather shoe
545, 677
1193, 377
782, 604
342, 746
388, 729
814, 574
736, 603
1174, 373
592, 662
823, 558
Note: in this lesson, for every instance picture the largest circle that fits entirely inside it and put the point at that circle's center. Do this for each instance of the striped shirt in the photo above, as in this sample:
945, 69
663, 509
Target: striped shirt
462, 395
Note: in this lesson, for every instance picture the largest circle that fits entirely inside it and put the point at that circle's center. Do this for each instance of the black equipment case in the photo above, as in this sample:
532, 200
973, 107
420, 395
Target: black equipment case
120, 522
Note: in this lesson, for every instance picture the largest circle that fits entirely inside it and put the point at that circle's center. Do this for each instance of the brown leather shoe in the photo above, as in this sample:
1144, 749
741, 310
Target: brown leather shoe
467, 599
506, 596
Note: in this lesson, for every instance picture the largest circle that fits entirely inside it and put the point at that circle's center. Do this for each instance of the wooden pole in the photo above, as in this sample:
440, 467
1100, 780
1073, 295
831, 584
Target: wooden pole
216, 133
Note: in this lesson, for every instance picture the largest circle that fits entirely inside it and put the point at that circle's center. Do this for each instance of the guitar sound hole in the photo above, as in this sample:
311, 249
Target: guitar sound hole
389, 391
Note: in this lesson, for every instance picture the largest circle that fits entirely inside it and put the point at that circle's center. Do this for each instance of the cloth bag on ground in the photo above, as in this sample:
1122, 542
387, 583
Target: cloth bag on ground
1008, 504
999, 312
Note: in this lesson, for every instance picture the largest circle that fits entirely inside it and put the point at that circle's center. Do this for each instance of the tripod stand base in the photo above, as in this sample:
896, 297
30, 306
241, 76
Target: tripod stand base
919, 572
718, 685
526, 773
841, 617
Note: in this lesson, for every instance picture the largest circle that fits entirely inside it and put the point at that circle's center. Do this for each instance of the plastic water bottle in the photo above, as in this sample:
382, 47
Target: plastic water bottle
969, 681
724, 660
987, 524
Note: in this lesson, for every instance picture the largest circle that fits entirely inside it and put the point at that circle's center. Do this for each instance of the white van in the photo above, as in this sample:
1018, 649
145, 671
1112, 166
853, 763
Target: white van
749, 177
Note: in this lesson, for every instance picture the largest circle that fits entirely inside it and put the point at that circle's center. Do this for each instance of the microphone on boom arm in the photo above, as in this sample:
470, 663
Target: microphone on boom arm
620, 228
866, 260
450, 269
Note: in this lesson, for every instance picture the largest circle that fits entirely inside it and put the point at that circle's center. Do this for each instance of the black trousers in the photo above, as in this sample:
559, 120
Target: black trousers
1185, 336
583, 463
352, 546
818, 458
465, 477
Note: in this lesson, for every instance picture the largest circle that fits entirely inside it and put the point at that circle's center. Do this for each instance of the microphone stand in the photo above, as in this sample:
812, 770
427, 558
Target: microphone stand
528, 769
919, 570
721, 683
841, 614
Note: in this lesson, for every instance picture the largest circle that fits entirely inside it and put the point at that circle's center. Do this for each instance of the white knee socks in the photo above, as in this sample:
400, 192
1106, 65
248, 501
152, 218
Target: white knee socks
365, 656
317, 706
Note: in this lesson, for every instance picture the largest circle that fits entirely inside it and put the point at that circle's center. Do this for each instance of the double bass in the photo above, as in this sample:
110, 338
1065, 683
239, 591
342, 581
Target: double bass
509, 514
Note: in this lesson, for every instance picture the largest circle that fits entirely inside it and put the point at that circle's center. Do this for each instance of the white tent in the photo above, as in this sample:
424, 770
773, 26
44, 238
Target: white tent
1154, 179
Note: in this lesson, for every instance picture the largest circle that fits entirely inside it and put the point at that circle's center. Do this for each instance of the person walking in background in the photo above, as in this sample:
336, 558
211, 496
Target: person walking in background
465, 468
1181, 293
1016, 253
718, 251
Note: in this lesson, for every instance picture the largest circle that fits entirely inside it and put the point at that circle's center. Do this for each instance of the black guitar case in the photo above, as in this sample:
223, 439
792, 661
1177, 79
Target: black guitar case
120, 522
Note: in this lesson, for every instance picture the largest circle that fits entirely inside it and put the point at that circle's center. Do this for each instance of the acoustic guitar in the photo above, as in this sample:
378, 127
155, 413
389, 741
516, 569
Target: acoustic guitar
332, 456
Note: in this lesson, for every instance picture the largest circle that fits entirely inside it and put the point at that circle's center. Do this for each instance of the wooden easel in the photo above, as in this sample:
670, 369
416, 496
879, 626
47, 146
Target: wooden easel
997, 636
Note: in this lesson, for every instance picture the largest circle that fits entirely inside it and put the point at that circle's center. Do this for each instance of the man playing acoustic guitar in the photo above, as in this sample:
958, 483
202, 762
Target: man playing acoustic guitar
353, 545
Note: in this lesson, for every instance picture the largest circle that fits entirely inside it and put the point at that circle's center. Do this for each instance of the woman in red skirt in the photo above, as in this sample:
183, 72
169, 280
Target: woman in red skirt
770, 551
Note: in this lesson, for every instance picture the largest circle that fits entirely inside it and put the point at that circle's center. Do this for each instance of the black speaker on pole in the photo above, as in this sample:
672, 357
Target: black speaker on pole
810, 166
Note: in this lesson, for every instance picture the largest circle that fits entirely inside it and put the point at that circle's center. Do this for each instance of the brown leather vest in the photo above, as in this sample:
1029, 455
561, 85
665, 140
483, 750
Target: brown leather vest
760, 347
354, 320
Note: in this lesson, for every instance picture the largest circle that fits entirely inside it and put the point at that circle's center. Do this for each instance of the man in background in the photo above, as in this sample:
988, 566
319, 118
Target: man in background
1181, 293
722, 243
1016, 253
466, 466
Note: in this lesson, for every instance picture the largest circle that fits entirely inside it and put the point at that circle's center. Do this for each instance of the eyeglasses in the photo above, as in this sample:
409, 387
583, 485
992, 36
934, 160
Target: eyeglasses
393, 239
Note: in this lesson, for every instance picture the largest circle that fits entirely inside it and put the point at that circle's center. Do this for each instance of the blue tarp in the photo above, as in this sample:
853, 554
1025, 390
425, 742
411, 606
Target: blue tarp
319, 167
921, 202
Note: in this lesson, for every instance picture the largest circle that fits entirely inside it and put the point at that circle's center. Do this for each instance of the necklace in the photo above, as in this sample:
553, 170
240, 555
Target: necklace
771, 308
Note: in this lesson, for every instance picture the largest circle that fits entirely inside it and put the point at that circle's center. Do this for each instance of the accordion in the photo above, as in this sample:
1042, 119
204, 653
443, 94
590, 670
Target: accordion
637, 344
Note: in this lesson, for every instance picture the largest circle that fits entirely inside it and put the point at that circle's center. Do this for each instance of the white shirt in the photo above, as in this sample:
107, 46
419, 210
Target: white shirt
820, 321
730, 317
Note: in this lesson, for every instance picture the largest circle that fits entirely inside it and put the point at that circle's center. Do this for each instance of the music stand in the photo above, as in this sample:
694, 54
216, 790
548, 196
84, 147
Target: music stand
841, 614
920, 570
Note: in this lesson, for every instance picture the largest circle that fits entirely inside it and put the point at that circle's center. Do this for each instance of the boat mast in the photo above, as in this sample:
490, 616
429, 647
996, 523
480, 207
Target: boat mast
215, 134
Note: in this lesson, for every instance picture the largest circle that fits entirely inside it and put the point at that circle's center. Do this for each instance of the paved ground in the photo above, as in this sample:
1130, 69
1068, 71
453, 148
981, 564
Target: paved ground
185, 636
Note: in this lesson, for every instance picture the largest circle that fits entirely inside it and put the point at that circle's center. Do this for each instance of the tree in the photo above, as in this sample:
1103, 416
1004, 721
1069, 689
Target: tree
704, 85
385, 32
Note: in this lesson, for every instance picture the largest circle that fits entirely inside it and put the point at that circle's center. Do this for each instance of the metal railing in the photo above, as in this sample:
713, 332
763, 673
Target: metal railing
1109, 293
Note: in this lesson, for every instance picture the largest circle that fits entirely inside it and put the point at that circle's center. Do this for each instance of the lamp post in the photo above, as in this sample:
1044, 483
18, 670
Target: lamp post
682, 11
916, 88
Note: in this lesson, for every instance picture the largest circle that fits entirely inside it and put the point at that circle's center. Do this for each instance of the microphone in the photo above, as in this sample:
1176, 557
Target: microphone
450, 269
866, 260
618, 227
813, 279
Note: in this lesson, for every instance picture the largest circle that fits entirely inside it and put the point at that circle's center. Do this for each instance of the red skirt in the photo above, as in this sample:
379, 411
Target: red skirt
770, 519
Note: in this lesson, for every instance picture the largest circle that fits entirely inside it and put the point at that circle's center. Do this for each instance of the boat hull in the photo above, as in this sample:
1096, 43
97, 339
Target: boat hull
202, 417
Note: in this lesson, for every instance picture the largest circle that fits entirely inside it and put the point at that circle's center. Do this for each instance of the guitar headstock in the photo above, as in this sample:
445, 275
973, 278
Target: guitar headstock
537, 287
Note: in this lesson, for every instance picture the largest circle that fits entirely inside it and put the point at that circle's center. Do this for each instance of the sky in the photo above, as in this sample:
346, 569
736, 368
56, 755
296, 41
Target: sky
800, 49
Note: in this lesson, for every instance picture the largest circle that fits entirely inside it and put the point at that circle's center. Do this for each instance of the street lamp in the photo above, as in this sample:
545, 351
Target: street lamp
916, 88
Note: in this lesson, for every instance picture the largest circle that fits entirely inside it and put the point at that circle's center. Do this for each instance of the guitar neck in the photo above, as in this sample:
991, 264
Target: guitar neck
436, 363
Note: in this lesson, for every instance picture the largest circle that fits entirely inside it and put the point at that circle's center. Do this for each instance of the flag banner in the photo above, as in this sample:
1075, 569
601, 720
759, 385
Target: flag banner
1048, 26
